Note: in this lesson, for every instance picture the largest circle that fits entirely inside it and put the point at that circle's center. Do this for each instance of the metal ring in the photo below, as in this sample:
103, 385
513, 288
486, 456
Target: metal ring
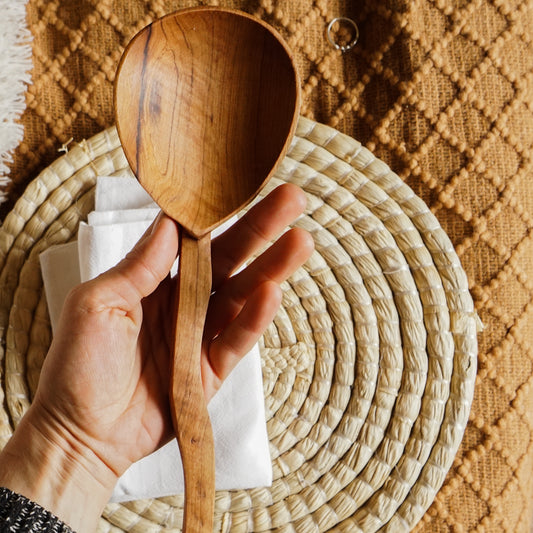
353, 27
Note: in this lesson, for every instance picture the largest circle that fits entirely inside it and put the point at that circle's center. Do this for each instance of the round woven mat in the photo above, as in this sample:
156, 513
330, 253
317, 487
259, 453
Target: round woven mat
368, 367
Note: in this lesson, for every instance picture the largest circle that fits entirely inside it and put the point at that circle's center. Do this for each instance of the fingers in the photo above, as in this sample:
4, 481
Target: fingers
276, 264
258, 227
143, 269
241, 334
242, 308
150, 261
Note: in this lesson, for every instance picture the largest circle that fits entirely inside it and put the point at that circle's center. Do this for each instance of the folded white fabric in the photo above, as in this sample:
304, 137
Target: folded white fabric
123, 211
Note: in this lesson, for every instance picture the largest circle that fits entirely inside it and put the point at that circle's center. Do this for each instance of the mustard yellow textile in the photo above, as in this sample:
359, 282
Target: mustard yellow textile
442, 91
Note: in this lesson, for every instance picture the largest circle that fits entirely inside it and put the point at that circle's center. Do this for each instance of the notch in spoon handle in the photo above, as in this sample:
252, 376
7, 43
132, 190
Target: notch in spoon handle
188, 405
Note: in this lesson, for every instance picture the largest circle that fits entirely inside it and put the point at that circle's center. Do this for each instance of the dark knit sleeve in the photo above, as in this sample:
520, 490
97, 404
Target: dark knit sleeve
20, 515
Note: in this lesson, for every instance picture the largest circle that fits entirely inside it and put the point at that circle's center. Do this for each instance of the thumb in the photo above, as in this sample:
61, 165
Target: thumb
145, 267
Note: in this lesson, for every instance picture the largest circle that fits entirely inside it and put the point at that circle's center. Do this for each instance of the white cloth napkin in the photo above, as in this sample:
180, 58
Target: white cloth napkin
123, 211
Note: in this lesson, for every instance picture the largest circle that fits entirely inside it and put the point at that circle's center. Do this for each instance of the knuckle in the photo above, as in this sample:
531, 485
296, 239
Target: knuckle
84, 297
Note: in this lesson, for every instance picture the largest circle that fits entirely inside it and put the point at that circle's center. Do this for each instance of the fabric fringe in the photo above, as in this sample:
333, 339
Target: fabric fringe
15, 76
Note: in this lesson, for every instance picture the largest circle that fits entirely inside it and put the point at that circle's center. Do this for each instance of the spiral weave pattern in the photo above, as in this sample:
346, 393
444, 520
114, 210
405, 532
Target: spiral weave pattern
368, 368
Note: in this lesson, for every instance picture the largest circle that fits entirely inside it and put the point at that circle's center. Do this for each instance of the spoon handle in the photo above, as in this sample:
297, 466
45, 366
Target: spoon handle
188, 405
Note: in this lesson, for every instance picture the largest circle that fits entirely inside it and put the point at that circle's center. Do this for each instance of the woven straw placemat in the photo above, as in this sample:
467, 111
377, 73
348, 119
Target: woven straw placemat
368, 368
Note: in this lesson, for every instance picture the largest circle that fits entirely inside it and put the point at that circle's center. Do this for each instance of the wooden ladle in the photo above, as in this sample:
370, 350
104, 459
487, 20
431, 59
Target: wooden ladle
206, 102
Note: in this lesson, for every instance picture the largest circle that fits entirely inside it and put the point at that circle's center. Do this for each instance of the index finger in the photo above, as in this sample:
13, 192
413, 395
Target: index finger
257, 228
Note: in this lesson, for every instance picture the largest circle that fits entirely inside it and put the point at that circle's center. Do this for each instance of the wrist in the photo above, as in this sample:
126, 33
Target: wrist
48, 466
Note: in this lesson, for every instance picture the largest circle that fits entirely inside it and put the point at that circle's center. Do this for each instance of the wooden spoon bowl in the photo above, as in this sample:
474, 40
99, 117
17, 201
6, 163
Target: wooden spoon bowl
206, 103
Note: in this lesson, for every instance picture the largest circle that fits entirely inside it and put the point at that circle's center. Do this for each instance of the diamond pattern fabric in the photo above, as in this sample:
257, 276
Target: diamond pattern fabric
442, 91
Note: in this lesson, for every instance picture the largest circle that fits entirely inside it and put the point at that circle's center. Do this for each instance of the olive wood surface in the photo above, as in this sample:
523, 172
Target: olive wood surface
206, 103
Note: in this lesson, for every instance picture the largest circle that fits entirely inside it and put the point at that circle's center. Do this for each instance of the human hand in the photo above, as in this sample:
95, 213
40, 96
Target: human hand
103, 392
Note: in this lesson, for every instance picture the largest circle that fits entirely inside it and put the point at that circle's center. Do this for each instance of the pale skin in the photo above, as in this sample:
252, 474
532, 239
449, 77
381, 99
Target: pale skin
102, 400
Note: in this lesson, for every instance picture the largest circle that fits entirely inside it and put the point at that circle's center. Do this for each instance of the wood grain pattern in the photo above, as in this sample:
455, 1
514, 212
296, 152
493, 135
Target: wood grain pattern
209, 97
188, 406
206, 102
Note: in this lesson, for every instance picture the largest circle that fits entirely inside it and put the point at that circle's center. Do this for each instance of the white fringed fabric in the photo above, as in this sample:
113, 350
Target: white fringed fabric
15, 67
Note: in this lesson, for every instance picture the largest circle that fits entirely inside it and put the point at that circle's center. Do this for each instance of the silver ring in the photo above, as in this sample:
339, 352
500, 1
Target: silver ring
348, 23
